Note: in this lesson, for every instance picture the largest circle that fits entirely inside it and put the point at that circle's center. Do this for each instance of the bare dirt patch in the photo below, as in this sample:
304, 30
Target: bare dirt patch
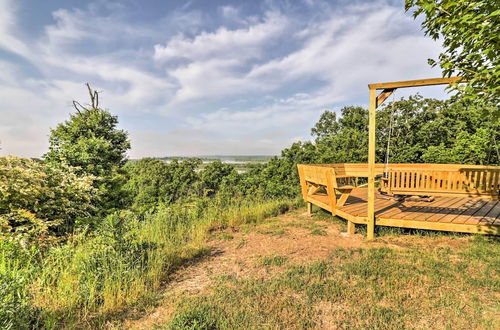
240, 253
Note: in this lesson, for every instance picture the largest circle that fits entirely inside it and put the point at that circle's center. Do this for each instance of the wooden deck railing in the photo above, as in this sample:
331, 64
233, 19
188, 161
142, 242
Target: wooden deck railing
406, 179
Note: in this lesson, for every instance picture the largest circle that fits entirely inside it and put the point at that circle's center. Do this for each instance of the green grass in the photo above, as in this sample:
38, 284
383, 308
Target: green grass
97, 277
225, 236
274, 260
18, 268
318, 232
376, 288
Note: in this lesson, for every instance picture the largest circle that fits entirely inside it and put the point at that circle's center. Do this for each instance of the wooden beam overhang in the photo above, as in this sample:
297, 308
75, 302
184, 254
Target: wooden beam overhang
416, 83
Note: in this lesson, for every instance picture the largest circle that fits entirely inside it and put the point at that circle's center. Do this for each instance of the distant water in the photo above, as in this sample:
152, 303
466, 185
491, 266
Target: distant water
228, 159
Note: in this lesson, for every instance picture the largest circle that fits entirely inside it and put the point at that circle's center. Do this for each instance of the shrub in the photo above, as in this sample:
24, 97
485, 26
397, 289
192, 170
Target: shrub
49, 193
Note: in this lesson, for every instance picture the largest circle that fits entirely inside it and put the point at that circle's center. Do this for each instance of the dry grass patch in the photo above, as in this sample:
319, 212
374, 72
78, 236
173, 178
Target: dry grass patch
301, 280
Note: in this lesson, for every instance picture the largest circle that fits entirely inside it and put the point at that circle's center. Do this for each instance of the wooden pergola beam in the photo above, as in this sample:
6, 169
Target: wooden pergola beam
416, 83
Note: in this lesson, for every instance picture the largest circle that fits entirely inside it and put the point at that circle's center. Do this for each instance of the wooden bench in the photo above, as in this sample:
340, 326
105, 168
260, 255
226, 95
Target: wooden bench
315, 178
472, 181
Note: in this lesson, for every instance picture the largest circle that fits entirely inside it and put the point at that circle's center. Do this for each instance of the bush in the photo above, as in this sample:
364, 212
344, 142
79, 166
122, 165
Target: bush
49, 193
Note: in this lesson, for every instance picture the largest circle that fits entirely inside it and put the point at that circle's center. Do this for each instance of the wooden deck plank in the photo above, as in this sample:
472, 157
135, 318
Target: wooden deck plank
397, 210
469, 212
490, 218
421, 210
474, 219
444, 213
320, 200
436, 210
470, 204
450, 208
354, 208
360, 209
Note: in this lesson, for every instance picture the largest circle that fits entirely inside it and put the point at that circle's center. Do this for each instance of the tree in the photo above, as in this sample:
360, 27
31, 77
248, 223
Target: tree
151, 182
213, 175
349, 141
326, 125
434, 131
470, 31
91, 142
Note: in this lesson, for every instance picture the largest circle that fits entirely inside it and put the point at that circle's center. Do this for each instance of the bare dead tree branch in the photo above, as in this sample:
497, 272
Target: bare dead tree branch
94, 100
78, 106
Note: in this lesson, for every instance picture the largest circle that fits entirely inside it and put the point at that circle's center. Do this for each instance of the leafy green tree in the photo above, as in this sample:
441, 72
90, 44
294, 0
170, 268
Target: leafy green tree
91, 142
152, 182
349, 141
470, 31
212, 176
327, 125
434, 131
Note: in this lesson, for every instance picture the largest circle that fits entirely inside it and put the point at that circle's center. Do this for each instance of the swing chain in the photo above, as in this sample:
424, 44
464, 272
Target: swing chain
389, 138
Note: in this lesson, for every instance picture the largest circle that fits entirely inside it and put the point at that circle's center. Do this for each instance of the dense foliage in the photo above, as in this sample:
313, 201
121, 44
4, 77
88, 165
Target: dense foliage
39, 199
470, 31
420, 130
91, 142
152, 182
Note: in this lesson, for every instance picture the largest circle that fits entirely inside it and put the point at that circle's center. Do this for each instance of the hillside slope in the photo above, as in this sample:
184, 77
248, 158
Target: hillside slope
294, 271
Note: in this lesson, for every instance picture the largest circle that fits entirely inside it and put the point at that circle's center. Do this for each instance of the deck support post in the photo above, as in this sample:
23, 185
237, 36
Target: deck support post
309, 208
370, 231
351, 227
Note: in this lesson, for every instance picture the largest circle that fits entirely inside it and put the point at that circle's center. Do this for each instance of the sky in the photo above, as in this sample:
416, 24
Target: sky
201, 77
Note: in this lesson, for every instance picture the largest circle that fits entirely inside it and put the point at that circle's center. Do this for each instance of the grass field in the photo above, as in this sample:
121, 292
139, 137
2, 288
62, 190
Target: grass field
295, 272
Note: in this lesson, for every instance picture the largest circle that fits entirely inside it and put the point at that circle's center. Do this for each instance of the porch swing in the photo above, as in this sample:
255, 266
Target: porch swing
421, 182
385, 187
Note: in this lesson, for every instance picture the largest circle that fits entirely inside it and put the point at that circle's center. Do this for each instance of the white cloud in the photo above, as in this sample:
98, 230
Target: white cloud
7, 26
250, 86
239, 44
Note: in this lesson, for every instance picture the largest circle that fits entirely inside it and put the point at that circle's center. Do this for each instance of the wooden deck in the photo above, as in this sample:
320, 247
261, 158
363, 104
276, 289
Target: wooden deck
443, 213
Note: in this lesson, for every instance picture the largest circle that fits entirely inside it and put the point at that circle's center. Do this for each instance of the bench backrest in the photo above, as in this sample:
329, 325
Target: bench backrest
459, 180
315, 174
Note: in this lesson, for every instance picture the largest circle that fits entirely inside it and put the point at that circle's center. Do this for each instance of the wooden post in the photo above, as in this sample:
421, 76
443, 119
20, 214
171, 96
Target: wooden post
331, 184
351, 227
309, 208
370, 231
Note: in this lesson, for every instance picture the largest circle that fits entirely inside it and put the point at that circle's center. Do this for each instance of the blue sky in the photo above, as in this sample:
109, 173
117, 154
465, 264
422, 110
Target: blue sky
200, 77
